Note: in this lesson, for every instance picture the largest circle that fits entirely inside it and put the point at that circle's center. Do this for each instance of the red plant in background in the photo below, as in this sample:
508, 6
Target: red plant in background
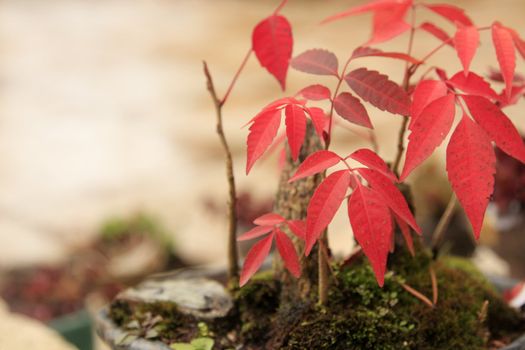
428, 111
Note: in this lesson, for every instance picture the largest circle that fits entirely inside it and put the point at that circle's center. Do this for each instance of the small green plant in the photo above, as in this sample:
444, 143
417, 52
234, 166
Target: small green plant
202, 342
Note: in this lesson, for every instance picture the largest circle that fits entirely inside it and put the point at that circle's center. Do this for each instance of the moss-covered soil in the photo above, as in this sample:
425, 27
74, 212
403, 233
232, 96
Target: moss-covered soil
360, 315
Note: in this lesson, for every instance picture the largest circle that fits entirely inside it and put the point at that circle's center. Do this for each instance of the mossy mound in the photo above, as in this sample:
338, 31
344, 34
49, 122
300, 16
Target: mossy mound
360, 315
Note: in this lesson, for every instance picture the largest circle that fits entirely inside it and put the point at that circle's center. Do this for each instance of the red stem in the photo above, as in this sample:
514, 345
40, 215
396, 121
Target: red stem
280, 7
336, 91
236, 77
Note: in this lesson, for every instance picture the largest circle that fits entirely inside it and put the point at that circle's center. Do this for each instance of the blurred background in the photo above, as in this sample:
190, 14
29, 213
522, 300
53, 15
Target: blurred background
110, 168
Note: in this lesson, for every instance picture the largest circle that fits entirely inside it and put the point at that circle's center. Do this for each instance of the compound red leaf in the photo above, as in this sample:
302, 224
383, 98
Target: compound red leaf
351, 109
425, 92
471, 168
295, 128
371, 6
391, 194
405, 231
389, 23
274, 106
466, 42
272, 43
364, 51
373, 161
515, 94
495, 75
319, 119
372, 226
315, 163
473, 84
269, 219
377, 89
518, 42
262, 133
450, 12
287, 252
255, 232
298, 228
428, 131
255, 258
497, 125
437, 32
325, 201
503, 42
316, 61
315, 92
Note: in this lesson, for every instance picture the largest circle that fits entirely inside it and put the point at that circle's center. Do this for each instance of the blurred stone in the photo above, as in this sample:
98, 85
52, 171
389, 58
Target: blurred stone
20, 332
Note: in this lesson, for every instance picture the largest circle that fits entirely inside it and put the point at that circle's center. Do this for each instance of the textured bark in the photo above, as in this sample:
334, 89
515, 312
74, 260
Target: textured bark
292, 202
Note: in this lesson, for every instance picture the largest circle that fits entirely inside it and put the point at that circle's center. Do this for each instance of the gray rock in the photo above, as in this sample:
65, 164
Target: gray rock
199, 297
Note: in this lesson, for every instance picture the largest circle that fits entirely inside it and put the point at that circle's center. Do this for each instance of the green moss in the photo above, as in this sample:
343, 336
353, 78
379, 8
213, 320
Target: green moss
359, 315
164, 317
116, 228
257, 302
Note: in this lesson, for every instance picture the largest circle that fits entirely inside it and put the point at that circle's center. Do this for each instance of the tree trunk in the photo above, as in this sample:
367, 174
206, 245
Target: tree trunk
292, 202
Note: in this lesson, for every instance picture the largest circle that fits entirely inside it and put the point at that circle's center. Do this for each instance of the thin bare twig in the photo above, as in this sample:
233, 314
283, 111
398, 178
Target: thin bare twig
323, 273
400, 145
434, 285
409, 71
417, 294
444, 221
233, 256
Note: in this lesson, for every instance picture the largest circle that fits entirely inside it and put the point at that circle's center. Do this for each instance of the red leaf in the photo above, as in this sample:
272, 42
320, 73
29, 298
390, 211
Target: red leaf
287, 252
425, 92
315, 92
274, 106
364, 51
272, 43
515, 94
504, 45
298, 228
269, 219
262, 133
373, 161
255, 232
295, 128
315, 163
437, 32
372, 226
518, 42
389, 23
351, 109
377, 89
495, 75
392, 196
466, 42
471, 168
405, 231
428, 131
371, 6
452, 13
316, 61
497, 126
473, 84
325, 201
319, 120
255, 258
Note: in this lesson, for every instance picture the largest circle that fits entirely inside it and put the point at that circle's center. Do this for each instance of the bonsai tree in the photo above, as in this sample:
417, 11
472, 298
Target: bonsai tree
431, 102
310, 300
